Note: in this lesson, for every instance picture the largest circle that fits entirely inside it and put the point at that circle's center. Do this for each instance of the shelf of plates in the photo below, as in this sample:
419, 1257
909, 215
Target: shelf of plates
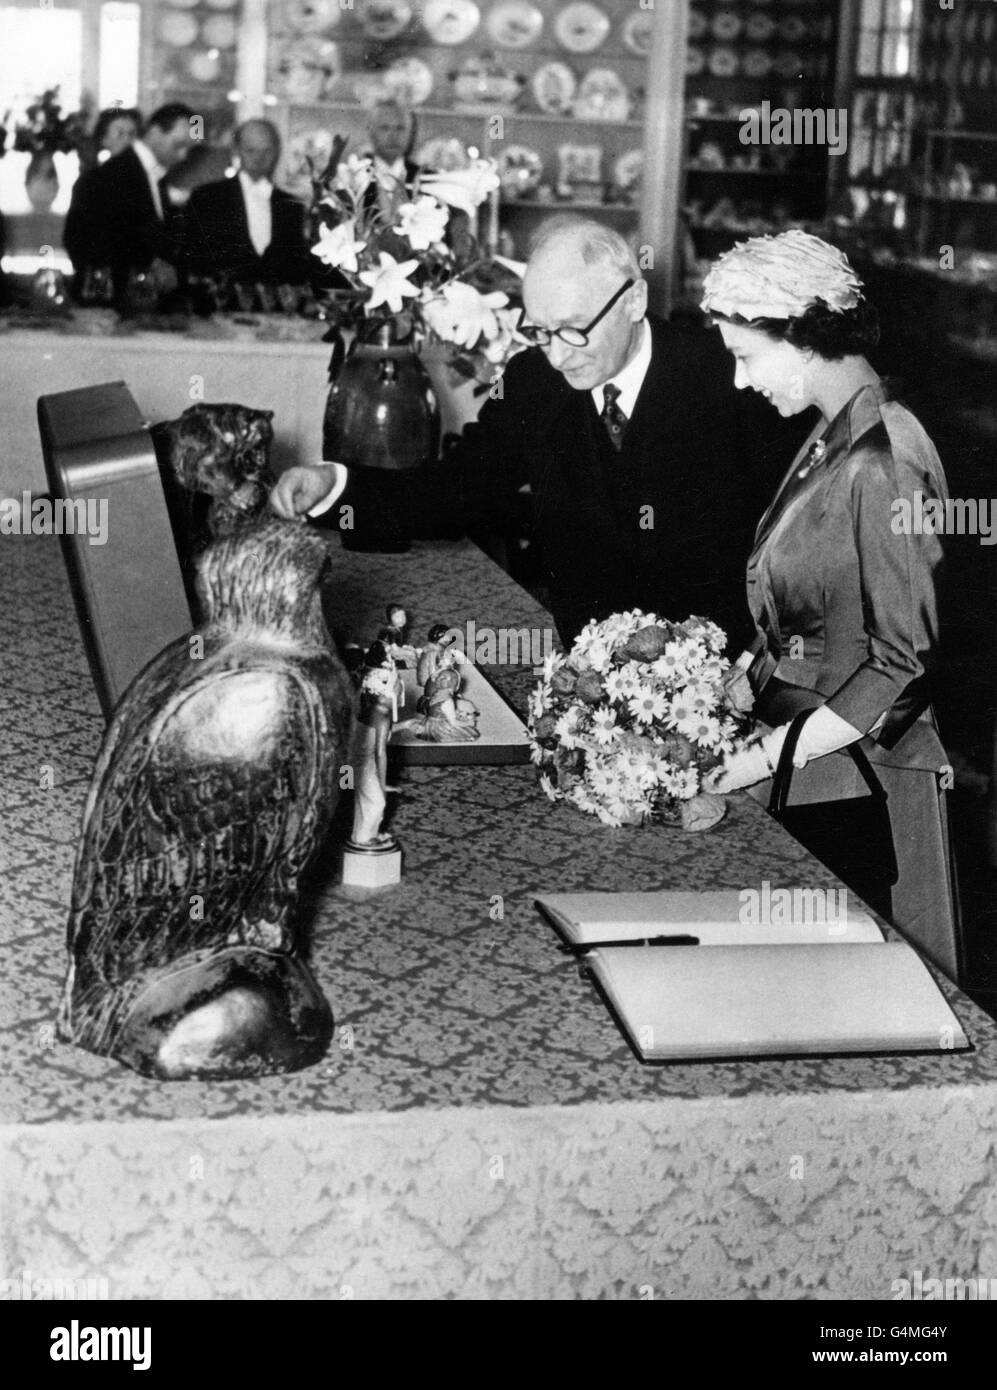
190, 54
742, 176
552, 89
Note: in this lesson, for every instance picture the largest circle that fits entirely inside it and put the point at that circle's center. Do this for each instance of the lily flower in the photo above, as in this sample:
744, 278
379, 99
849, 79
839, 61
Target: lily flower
460, 314
389, 284
338, 248
424, 222
465, 189
354, 176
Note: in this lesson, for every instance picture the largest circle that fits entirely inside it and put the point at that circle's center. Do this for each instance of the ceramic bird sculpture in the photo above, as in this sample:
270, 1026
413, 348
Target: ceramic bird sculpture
222, 452
213, 788
214, 462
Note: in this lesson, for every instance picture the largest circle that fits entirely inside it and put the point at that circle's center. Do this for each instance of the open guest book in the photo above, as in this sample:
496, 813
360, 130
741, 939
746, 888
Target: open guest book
698, 976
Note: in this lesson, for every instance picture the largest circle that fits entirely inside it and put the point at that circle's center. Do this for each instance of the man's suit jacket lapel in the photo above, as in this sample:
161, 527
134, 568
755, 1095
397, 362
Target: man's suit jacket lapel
237, 217
137, 182
286, 229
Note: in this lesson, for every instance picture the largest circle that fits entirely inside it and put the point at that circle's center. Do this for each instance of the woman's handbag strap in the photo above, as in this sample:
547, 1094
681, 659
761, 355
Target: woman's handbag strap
784, 772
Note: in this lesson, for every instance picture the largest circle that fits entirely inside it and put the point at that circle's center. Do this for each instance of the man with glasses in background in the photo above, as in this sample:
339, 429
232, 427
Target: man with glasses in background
642, 460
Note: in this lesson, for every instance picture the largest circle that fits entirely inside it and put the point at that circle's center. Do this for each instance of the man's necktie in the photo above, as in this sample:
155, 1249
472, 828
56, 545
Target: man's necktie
612, 416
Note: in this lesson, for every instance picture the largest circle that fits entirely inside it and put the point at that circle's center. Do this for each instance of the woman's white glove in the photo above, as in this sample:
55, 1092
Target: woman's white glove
824, 732
745, 767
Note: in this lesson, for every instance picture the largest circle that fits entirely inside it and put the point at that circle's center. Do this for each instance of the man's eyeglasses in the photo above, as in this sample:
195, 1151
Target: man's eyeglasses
574, 337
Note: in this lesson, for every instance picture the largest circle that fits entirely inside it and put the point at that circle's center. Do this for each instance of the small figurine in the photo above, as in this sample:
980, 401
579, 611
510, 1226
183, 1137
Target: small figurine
372, 858
395, 636
380, 689
447, 717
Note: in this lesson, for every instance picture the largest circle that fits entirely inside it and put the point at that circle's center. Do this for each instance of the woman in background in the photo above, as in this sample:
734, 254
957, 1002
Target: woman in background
842, 589
116, 129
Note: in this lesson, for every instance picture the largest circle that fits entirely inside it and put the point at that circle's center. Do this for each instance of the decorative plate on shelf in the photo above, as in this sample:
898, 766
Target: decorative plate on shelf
726, 25
410, 80
177, 29
724, 62
520, 170
629, 170
759, 28
698, 24
305, 16
637, 31
695, 60
792, 29
219, 31
602, 96
385, 19
203, 67
581, 26
450, 21
553, 88
757, 63
514, 24
306, 65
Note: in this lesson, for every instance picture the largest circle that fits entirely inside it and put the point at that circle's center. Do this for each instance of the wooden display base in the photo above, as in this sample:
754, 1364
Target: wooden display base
372, 866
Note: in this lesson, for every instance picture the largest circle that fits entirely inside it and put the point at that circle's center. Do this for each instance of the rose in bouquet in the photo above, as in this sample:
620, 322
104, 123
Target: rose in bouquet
628, 724
413, 265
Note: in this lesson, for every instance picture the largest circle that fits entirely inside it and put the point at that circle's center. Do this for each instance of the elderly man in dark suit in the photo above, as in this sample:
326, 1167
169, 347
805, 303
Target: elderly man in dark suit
244, 228
135, 227
639, 458
391, 132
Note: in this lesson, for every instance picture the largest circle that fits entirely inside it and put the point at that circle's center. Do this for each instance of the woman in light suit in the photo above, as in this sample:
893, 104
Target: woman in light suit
842, 593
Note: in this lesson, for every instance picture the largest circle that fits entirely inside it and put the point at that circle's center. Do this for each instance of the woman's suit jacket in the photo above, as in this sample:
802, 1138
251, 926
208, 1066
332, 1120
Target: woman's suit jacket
845, 605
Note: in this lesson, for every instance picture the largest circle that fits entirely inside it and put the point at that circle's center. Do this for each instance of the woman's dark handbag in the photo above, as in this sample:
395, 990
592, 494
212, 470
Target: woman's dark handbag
852, 837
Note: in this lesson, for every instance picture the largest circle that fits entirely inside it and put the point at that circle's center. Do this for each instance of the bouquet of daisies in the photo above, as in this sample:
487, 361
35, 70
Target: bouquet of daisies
629, 722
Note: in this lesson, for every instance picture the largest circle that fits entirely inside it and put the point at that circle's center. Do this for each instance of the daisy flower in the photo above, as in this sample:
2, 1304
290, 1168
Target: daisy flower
679, 711
648, 705
604, 725
683, 783
707, 731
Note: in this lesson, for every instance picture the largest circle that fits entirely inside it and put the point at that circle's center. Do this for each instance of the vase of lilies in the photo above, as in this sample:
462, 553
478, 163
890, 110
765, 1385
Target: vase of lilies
403, 269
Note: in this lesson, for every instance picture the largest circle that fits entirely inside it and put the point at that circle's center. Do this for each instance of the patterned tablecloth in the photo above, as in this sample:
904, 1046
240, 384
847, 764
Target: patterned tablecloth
479, 1127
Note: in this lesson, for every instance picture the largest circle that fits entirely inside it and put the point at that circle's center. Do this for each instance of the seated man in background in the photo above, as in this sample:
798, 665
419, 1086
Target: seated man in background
244, 229
117, 129
135, 228
643, 462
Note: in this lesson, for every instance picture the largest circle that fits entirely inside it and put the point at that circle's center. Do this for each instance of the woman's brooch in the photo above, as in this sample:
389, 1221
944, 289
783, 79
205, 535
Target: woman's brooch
816, 455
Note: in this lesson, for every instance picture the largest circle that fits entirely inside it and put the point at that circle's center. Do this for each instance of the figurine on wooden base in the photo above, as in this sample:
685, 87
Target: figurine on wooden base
214, 785
372, 858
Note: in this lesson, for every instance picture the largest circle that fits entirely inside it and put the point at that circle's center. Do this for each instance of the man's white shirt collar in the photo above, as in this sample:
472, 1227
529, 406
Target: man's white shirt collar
154, 171
630, 379
258, 188
259, 212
